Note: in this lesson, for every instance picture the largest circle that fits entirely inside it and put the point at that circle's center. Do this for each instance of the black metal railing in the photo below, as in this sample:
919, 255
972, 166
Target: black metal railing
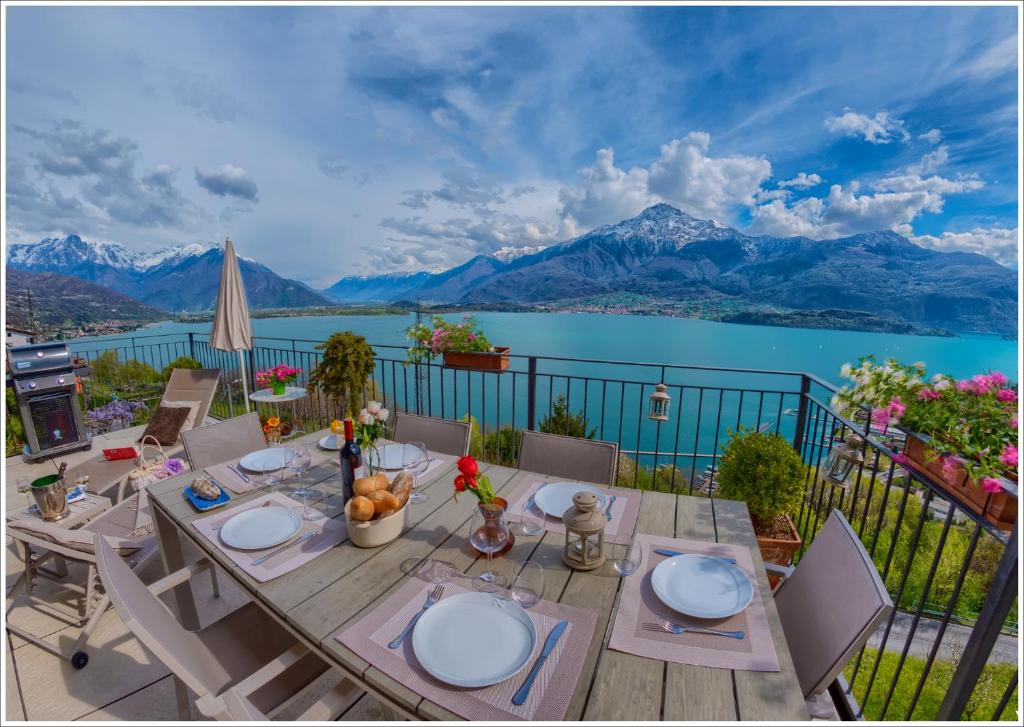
950, 571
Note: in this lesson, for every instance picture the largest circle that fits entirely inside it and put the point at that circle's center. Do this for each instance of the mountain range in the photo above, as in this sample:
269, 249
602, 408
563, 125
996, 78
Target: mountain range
180, 278
667, 255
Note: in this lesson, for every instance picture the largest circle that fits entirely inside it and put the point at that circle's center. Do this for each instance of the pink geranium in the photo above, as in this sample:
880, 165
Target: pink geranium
991, 484
927, 394
1009, 456
1006, 395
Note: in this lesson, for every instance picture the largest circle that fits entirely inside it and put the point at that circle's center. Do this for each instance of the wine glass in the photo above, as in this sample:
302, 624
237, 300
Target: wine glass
416, 461
275, 475
314, 503
25, 486
628, 563
297, 466
488, 534
528, 586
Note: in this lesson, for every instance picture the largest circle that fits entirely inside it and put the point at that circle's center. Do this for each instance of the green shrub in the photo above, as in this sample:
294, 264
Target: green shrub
764, 471
502, 446
14, 436
182, 362
562, 421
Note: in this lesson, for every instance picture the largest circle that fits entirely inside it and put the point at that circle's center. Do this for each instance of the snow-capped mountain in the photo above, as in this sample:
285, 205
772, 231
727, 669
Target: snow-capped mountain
508, 253
178, 278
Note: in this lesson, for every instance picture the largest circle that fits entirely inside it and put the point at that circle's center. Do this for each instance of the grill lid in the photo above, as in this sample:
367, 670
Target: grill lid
39, 358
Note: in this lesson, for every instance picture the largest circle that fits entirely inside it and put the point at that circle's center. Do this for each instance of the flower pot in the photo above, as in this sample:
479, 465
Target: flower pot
494, 516
999, 508
496, 360
779, 551
278, 387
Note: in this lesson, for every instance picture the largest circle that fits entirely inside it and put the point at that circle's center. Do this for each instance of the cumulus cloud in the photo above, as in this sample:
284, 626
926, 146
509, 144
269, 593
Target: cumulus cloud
802, 181
930, 161
881, 128
228, 180
933, 136
999, 243
684, 175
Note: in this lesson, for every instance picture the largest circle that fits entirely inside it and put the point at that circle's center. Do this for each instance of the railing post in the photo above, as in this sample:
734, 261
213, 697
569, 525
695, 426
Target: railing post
531, 394
191, 346
984, 634
801, 412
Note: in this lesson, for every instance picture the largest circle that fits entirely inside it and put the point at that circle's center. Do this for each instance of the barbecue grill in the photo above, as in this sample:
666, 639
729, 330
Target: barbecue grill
43, 376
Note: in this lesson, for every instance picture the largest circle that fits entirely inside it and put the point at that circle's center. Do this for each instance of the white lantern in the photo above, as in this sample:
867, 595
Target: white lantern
842, 460
660, 401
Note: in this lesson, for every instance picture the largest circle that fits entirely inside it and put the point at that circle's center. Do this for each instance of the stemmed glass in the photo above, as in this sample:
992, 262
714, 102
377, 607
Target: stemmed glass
297, 466
528, 586
416, 461
488, 534
276, 475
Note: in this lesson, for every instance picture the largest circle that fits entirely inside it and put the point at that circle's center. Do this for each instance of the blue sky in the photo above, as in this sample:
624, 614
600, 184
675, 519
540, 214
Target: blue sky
331, 141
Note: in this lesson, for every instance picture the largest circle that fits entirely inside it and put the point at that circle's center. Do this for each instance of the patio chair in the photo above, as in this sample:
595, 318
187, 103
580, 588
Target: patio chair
127, 529
247, 652
587, 460
829, 605
193, 385
440, 435
223, 441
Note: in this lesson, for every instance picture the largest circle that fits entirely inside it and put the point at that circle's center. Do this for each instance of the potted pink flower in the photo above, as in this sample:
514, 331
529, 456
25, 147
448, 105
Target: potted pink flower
277, 378
962, 432
461, 345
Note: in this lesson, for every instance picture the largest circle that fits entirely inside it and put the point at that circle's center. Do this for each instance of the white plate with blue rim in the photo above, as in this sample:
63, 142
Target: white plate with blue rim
702, 586
474, 639
270, 459
555, 498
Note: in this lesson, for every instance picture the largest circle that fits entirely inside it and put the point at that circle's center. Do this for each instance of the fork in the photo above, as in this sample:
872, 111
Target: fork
433, 597
663, 625
608, 511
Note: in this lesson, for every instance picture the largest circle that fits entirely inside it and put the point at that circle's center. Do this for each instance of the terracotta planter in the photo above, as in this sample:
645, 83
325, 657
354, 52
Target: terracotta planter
496, 360
999, 508
503, 504
779, 551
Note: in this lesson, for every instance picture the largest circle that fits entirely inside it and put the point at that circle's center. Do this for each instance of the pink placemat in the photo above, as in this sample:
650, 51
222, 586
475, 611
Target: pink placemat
232, 480
552, 690
638, 605
624, 512
331, 532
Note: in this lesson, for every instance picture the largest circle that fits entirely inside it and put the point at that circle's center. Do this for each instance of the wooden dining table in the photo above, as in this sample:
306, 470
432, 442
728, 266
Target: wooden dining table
322, 597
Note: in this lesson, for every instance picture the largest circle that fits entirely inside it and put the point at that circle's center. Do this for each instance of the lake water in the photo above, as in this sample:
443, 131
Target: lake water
706, 404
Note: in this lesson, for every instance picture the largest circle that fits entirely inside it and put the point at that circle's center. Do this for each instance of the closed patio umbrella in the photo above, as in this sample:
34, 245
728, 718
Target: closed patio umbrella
232, 330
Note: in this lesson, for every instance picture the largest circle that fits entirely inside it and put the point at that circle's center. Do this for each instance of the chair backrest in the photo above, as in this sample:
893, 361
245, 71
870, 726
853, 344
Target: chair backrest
440, 435
588, 460
223, 441
193, 385
831, 604
145, 615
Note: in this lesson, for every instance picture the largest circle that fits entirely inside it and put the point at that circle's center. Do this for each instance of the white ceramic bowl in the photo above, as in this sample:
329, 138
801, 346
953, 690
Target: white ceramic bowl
375, 533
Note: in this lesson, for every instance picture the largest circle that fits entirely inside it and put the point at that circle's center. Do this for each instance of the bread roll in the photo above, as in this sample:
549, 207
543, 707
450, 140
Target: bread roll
402, 487
383, 501
361, 508
365, 485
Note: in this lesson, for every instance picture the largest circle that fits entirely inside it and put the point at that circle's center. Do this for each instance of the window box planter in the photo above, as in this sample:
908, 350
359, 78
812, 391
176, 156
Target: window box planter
999, 508
496, 360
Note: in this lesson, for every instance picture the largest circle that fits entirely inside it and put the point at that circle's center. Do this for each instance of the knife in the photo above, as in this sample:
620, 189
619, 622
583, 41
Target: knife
608, 511
674, 553
245, 478
264, 558
549, 646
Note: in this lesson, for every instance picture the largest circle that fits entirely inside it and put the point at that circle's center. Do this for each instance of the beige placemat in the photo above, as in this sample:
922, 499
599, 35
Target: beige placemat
331, 532
226, 476
552, 690
624, 512
638, 604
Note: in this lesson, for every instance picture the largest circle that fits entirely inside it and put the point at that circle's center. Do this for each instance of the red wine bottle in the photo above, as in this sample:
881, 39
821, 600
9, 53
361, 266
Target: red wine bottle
351, 464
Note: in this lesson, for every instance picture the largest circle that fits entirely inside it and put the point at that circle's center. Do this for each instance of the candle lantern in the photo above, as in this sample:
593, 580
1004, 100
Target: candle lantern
843, 459
660, 401
584, 532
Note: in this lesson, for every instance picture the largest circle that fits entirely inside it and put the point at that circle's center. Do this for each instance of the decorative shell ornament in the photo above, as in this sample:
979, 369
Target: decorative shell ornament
205, 489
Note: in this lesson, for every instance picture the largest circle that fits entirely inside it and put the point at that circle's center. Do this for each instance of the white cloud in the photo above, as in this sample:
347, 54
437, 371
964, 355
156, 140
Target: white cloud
228, 180
684, 175
778, 218
998, 243
881, 128
933, 185
930, 161
802, 181
934, 136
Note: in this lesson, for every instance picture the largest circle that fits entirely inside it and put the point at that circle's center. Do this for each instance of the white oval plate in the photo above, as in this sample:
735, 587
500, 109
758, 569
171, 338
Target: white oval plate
267, 460
474, 639
329, 442
260, 527
701, 586
555, 498
392, 456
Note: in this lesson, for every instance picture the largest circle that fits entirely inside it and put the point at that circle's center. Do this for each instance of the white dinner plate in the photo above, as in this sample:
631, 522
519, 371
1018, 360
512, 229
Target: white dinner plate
267, 460
555, 498
474, 639
701, 586
329, 442
260, 527
393, 456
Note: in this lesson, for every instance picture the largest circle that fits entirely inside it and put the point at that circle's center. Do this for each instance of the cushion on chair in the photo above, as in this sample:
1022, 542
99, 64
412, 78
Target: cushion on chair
166, 424
80, 539
192, 406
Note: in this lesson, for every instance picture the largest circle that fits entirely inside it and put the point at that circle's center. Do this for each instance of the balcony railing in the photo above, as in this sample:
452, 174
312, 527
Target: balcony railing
951, 572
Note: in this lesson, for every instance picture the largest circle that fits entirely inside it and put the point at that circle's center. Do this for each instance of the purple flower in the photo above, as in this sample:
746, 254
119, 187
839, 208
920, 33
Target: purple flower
174, 466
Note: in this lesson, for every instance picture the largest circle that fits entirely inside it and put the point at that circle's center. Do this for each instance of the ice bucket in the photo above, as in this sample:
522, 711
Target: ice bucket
51, 497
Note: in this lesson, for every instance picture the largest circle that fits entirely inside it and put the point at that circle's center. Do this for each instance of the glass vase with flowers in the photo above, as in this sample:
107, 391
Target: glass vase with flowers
369, 427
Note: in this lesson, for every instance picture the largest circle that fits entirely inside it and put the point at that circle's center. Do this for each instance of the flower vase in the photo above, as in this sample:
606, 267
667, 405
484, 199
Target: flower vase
278, 387
494, 522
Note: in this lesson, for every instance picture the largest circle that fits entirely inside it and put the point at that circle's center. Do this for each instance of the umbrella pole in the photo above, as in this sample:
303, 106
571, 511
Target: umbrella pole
245, 385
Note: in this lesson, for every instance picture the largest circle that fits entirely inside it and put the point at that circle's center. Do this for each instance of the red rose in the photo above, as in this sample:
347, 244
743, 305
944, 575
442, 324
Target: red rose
468, 466
460, 483
471, 483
